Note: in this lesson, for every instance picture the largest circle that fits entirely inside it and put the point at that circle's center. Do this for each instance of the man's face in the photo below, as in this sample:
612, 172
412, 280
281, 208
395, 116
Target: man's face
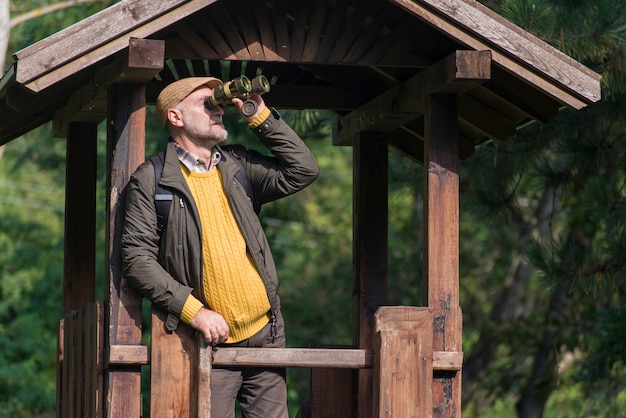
199, 122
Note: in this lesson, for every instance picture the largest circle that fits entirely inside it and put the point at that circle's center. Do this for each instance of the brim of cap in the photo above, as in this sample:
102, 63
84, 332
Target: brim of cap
177, 91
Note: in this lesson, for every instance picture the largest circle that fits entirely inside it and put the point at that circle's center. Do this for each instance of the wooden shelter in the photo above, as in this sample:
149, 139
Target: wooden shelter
431, 78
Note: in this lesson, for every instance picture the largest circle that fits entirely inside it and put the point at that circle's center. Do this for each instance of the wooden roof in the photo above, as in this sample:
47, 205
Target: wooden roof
372, 62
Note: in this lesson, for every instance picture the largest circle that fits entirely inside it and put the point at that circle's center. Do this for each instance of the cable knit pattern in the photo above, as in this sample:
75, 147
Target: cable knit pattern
232, 285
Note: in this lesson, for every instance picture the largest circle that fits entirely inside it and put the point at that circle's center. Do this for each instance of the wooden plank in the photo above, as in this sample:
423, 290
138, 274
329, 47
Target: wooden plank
61, 377
215, 39
81, 358
194, 42
511, 89
249, 28
403, 362
387, 17
73, 366
266, 30
353, 29
203, 394
331, 393
441, 250
522, 54
281, 29
379, 50
313, 35
457, 73
90, 365
293, 357
225, 26
128, 355
336, 23
87, 35
447, 360
173, 369
299, 27
79, 266
125, 151
112, 46
100, 349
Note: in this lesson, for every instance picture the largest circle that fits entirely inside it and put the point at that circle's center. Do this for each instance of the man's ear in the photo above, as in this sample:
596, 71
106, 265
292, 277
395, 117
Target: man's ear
175, 117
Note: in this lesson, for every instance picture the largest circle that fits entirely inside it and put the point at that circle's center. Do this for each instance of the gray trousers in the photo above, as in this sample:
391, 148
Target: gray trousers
261, 392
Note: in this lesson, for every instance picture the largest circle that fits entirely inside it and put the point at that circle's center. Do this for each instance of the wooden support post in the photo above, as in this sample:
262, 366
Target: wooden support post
174, 365
79, 266
126, 150
403, 363
441, 257
370, 247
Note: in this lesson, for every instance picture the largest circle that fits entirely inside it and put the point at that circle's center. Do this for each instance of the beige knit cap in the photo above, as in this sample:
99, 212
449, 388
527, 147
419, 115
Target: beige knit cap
176, 92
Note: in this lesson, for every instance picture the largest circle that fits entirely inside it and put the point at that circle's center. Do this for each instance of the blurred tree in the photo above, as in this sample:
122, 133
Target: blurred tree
552, 202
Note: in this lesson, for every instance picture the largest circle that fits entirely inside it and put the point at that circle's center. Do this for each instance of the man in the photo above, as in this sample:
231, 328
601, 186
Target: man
211, 265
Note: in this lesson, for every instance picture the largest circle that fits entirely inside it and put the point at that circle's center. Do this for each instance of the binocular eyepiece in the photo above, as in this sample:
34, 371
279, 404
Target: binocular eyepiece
240, 87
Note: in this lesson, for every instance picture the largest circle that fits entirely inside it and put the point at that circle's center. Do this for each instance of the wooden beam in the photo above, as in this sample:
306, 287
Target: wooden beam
370, 214
125, 151
311, 97
72, 63
143, 59
79, 265
458, 73
68, 45
520, 53
484, 119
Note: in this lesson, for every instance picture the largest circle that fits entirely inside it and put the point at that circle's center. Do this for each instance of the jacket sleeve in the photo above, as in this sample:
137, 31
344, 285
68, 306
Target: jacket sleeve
140, 246
292, 166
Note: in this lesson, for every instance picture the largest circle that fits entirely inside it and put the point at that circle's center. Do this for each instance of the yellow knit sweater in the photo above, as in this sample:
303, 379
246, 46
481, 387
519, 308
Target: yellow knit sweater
232, 285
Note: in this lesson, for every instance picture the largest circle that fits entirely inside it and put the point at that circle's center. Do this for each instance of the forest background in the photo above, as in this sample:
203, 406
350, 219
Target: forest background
543, 244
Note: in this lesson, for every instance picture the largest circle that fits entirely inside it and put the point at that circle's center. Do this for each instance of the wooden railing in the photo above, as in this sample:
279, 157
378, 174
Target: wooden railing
402, 363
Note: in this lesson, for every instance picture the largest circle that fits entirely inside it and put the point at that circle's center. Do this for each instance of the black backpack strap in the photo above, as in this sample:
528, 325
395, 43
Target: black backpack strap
162, 196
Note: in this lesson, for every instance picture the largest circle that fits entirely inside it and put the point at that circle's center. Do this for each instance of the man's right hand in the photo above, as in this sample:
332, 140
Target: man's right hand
212, 326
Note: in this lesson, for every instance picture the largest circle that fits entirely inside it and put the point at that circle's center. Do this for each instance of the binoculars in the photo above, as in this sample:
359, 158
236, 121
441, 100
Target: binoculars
240, 87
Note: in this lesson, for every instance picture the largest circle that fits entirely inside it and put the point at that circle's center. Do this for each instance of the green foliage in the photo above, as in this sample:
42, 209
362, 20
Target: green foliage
552, 198
542, 256
31, 279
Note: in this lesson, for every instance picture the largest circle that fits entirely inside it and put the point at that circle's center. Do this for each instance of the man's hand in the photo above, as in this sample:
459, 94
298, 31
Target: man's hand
260, 106
212, 326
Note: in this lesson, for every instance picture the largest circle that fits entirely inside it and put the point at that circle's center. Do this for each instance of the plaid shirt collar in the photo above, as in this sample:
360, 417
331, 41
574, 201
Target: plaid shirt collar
195, 164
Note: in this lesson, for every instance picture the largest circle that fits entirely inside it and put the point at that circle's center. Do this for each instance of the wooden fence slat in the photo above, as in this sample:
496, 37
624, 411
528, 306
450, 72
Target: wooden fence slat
60, 368
203, 394
72, 364
80, 363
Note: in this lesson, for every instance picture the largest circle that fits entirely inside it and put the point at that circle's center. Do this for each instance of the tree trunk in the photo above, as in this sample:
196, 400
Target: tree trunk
544, 374
508, 306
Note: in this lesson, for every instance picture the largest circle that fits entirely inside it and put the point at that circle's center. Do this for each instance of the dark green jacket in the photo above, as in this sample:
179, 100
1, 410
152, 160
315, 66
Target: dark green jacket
167, 275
